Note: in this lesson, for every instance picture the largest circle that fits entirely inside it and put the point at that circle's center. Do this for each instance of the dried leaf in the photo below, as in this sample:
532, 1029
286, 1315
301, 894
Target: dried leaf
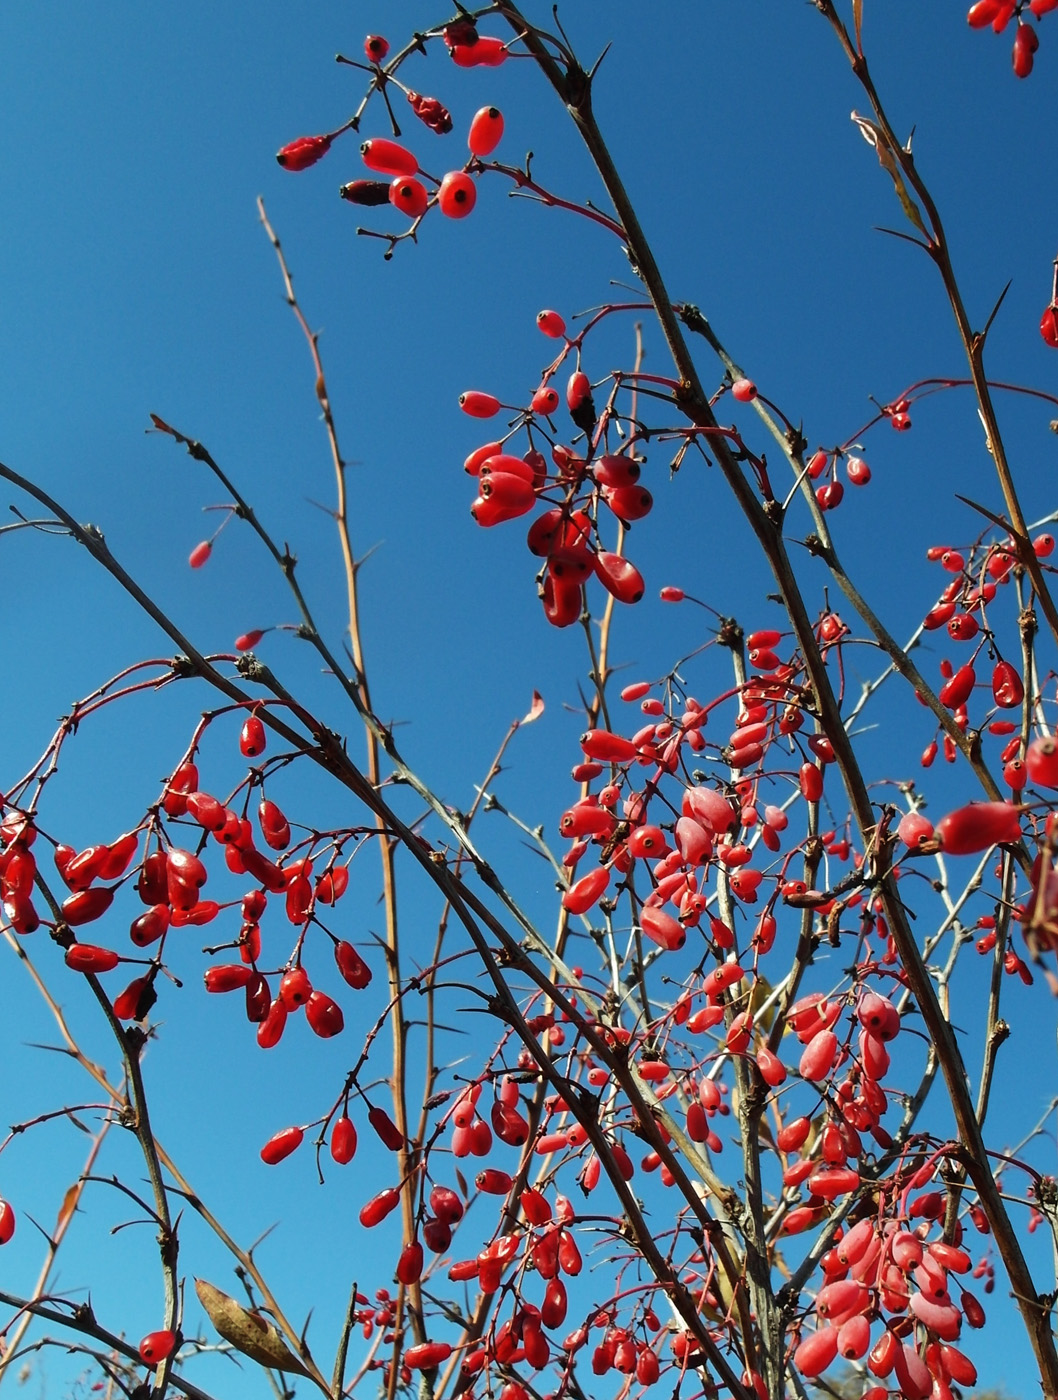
536, 709
69, 1203
247, 1331
875, 137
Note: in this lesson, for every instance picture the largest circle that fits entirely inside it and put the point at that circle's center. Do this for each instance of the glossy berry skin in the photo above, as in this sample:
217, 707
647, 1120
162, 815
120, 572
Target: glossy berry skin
376, 1209
1025, 45
1041, 760
486, 131
351, 965
409, 196
983, 13
830, 496
343, 1141
457, 195
252, 740
295, 989
157, 1347
388, 157
1007, 689
479, 405
744, 390
85, 957
324, 1015
227, 977
281, 1145
305, 151
200, 554
409, 1265
857, 471
1049, 325
427, 1355
487, 52
7, 1221
619, 577
375, 48
551, 323
980, 825
545, 400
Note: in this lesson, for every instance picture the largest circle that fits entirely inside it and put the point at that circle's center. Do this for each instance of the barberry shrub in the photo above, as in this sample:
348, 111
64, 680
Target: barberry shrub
705, 1108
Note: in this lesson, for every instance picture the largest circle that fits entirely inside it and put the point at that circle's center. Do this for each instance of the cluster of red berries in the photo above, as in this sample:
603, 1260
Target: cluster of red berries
170, 882
456, 193
999, 13
961, 610
822, 464
566, 535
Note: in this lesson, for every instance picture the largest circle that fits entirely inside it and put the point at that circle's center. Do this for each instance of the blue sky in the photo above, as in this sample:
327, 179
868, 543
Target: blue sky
138, 280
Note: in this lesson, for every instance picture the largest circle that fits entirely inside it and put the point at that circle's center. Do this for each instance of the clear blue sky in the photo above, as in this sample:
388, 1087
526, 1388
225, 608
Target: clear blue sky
137, 279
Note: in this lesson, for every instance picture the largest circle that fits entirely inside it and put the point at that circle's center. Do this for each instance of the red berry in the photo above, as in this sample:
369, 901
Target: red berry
387, 157
1026, 43
984, 12
1007, 689
281, 1145
962, 627
485, 52
274, 826
551, 323
324, 1015
1041, 760
252, 739
200, 554
457, 195
619, 577
157, 1347
431, 112
1049, 322
545, 400
295, 988
478, 404
7, 1221
857, 471
409, 196
744, 390
343, 1140
305, 151
376, 48
427, 1355
409, 1265
270, 1028
379, 1207
227, 977
980, 825
388, 1133
562, 600
829, 497
86, 957
587, 892
486, 131
351, 965
628, 503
